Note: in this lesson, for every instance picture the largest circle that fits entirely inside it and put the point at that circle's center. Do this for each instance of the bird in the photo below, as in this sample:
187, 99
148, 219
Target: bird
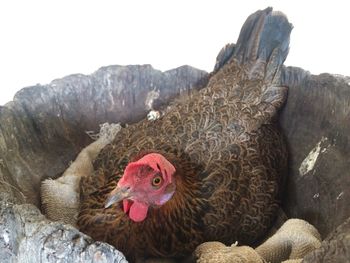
211, 169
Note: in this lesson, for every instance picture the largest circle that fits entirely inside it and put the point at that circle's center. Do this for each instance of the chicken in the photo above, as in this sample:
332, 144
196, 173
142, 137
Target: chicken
211, 169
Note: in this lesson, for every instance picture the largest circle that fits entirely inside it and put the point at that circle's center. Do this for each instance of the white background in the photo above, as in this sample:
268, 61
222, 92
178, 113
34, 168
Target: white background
44, 40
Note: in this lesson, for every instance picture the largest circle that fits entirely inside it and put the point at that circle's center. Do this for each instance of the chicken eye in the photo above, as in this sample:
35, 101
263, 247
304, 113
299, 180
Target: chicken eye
157, 181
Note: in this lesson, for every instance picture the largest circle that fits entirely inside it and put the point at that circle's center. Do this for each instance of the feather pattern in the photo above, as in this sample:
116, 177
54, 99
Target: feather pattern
230, 160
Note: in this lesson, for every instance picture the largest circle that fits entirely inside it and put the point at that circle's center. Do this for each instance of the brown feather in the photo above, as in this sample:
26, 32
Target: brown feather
230, 159
228, 173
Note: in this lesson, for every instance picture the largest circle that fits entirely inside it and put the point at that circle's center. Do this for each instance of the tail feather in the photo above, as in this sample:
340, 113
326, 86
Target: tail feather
263, 33
261, 50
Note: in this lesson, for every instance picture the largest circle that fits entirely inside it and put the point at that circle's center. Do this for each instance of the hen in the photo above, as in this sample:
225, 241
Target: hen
212, 168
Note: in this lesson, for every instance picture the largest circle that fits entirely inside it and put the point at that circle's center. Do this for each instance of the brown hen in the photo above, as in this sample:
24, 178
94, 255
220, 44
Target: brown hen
210, 169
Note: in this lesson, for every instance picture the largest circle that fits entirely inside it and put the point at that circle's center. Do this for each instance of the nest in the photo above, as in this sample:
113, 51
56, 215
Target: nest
43, 130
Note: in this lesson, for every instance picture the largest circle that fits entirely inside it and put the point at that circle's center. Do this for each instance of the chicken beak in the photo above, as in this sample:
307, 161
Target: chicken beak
118, 194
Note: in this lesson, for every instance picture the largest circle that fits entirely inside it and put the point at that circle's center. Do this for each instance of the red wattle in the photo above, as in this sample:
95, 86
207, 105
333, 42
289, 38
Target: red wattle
138, 211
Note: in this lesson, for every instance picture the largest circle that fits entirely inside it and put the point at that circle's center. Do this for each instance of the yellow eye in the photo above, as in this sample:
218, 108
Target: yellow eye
157, 181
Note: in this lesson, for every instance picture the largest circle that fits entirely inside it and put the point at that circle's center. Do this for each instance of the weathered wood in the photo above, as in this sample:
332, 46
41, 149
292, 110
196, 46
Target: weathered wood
27, 236
316, 122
